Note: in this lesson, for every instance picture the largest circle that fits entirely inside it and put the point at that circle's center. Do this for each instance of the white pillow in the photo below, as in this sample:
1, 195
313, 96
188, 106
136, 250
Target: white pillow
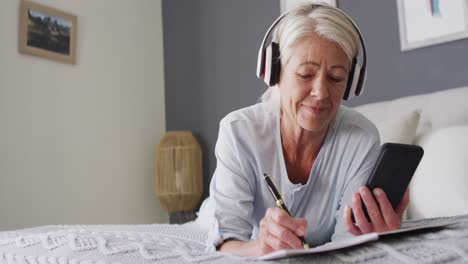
440, 184
397, 125
399, 129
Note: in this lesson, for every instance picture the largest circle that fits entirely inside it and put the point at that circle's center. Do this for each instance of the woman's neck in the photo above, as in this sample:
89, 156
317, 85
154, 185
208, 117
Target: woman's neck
300, 148
299, 142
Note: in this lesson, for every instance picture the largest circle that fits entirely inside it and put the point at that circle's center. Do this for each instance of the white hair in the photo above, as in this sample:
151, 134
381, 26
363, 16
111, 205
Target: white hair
304, 21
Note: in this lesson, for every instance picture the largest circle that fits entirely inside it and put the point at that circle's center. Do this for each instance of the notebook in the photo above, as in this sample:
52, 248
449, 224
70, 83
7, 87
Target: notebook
353, 241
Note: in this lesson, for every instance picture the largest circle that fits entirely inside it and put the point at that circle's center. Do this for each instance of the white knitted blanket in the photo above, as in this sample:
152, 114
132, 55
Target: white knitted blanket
99, 244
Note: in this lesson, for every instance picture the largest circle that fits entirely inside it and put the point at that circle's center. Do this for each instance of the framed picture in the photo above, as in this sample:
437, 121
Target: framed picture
428, 22
286, 5
47, 32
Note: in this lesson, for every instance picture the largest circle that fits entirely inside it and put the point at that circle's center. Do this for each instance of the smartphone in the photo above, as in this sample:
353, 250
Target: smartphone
393, 170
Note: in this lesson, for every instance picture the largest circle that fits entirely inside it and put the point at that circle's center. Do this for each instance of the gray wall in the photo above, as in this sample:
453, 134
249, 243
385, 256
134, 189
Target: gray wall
392, 73
211, 47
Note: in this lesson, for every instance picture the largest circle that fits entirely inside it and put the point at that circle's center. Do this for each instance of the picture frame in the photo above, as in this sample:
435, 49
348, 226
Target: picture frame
47, 32
424, 23
286, 5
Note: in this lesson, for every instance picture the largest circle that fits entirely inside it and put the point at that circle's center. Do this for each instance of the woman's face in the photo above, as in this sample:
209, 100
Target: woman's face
313, 82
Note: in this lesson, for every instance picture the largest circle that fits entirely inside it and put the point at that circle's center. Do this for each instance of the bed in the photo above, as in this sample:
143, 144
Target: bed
440, 126
162, 243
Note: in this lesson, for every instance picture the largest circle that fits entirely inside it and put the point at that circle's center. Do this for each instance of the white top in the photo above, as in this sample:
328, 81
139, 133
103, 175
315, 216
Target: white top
249, 144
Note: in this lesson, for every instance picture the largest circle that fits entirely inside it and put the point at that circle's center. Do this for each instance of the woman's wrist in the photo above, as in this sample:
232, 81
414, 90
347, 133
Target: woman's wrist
239, 247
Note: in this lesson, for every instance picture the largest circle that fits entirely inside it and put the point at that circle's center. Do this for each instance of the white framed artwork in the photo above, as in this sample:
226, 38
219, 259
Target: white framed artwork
286, 5
428, 22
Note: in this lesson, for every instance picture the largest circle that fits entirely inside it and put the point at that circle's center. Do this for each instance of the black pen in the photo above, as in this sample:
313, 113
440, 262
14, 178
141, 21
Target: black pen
280, 202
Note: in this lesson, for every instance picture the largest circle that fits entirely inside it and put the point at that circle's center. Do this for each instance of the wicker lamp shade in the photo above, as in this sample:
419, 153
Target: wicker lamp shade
179, 180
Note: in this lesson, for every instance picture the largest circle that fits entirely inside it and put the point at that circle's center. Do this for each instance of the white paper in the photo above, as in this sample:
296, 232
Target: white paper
352, 241
442, 223
344, 243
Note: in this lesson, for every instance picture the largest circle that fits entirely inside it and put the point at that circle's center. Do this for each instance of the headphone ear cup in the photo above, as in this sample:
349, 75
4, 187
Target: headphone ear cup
351, 79
267, 65
261, 63
275, 64
272, 64
361, 82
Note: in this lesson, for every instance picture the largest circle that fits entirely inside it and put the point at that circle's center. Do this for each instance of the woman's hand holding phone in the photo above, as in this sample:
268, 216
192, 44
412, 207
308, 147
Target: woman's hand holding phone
382, 210
381, 213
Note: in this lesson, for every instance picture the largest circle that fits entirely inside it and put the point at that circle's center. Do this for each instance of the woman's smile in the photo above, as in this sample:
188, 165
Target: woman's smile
314, 109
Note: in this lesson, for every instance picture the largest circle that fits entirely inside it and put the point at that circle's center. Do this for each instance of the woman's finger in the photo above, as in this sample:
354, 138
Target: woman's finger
268, 242
264, 247
373, 209
361, 220
263, 228
284, 234
353, 229
296, 225
390, 217
274, 242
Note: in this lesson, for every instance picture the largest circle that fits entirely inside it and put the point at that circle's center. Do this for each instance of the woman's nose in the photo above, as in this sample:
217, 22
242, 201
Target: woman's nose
319, 87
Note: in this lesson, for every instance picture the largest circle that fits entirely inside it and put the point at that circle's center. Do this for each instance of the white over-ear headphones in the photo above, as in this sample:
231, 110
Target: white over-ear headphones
269, 64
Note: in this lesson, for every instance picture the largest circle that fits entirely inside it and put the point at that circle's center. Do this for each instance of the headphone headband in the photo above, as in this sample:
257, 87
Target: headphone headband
357, 73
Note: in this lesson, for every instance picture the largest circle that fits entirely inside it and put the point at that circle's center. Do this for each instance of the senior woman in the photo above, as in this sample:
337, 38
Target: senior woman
319, 153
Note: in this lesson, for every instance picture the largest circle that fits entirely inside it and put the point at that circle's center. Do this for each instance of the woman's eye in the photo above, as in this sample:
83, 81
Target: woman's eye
336, 79
304, 76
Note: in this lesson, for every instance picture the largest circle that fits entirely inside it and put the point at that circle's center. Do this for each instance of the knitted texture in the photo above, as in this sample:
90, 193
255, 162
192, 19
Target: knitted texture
122, 244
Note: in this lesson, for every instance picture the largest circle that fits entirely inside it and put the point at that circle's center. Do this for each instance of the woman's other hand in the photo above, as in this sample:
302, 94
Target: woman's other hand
381, 213
278, 231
